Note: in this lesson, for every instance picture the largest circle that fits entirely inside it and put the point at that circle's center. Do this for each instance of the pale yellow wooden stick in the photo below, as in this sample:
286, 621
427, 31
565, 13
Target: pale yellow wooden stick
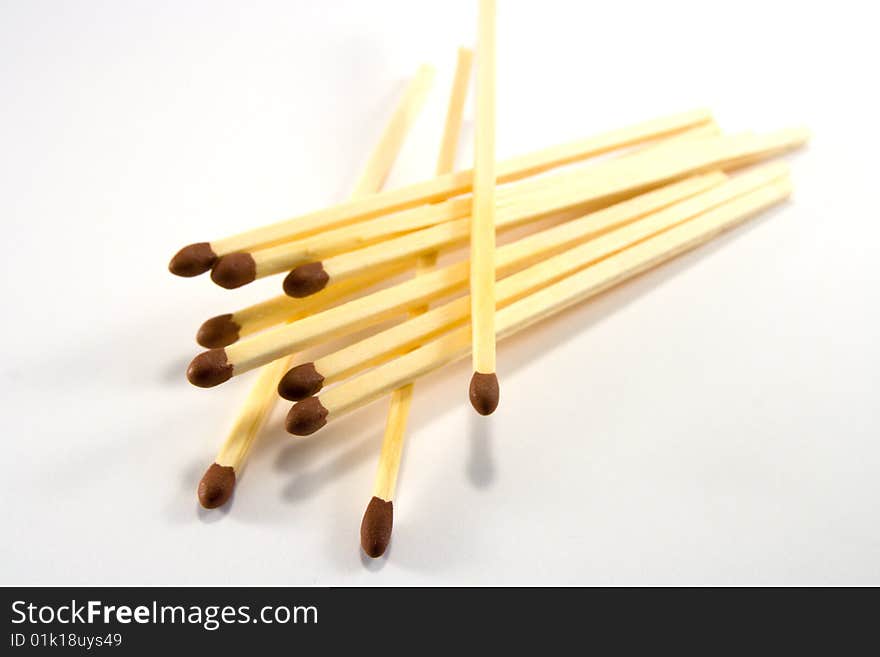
251, 418
483, 390
379, 165
309, 415
379, 515
198, 258
455, 112
218, 482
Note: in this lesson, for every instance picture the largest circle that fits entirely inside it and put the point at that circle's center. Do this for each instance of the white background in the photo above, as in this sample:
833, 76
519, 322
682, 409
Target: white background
715, 421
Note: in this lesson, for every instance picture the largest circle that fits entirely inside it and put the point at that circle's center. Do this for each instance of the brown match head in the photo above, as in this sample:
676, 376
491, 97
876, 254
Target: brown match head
306, 280
306, 417
216, 486
376, 527
217, 332
210, 368
192, 260
484, 393
300, 382
234, 270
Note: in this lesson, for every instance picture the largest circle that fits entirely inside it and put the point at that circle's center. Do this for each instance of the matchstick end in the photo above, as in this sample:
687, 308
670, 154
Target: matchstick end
234, 270
484, 393
300, 382
192, 260
306, 417
376, 527
210, 368
218, 332
216, 486
306, 280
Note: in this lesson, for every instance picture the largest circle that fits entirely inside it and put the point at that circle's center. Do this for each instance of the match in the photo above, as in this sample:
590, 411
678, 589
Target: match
483, 391
218, 482
311, 414
198, 258
378, 518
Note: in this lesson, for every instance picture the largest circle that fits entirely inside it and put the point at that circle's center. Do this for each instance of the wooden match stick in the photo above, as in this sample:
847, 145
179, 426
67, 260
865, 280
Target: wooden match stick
238, 269
584, 187
308, 416
215, 366
309, 378
198, 258
376, 170
218, 482
483, 391
455, 112
378, 518
223, 330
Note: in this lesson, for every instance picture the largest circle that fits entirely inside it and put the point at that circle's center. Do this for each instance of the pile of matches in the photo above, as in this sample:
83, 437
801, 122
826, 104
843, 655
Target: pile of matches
662, 187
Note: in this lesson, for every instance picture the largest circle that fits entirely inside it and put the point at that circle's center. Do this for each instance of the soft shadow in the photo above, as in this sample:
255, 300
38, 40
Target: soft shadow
311, 481
182, 495
356, 436
374, 565
554, 332
175, 371
481, 465
210, 516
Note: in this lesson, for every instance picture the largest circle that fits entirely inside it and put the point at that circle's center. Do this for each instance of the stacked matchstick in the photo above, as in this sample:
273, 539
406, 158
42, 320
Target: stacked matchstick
663, 187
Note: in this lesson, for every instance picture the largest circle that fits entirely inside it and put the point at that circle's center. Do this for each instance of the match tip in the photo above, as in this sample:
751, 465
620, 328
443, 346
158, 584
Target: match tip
210, 368
306, 417
218, 332
216, 486
234, 270
376, 527
300, 382
192, 260
484, 393
306, 280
